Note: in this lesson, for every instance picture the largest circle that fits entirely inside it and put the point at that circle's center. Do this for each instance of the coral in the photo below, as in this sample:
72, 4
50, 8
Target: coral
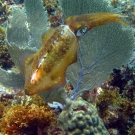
56, 19
24, 35
98, 47
116, 101
50, 5
4, 11
54, 11
5, 59
80, 117
132, 131
127, 109
128, 8
2, 7
105, 99
22, 32
2, 107
37, 100
33, 103
54, 130
26, 120
49, 64
113, 131
114, 2
121, 77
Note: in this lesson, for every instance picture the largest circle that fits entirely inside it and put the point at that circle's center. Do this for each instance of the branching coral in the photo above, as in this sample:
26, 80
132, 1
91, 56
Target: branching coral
26, 120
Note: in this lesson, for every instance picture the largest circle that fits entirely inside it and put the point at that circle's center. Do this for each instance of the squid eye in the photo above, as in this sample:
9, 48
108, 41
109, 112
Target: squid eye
81, 32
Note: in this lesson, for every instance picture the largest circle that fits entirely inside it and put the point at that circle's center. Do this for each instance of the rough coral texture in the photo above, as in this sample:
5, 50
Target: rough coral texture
54, 12
5, 59
116, 101
101, 49
80, 118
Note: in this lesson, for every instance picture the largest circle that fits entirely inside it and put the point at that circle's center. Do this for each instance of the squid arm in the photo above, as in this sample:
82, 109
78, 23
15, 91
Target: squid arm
87, 22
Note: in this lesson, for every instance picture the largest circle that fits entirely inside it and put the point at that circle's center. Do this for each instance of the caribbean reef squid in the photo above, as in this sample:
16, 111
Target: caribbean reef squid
46, 69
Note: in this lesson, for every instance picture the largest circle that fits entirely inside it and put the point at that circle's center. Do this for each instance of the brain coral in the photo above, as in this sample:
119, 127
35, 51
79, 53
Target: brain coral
80, 118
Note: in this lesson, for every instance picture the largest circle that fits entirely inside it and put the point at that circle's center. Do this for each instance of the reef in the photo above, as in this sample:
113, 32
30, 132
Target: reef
80, 117
115, 101
54, 11
5, 58
126, 7
28, 116
1, 109
28, 120
108, 109
31, 112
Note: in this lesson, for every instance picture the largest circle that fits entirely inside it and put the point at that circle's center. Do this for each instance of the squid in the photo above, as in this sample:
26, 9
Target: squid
46, 69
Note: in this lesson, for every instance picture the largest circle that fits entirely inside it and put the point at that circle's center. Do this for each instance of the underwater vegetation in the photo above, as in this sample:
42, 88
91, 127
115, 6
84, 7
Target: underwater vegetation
127, 7
54, 12
100, 52
116, 101
68, 43
25, 119
5, 59
33, 117
1, 109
